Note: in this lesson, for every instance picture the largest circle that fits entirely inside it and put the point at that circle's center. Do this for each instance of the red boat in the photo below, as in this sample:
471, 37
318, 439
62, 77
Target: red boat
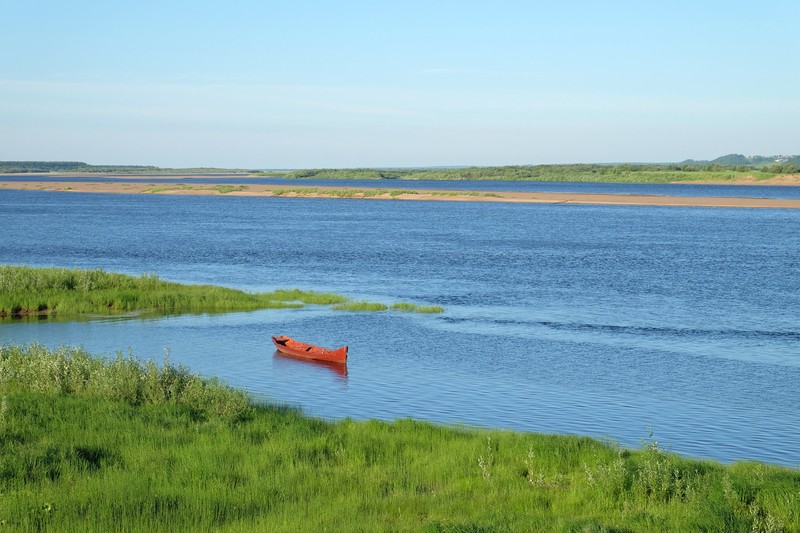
289, 346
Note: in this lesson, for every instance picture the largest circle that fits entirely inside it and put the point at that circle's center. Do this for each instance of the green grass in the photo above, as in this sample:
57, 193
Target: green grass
361, 306
170, 187
222, 189
225, 189
69, 292
339, 193
408, 307
374, 193
81, 453
308, 297
623, 173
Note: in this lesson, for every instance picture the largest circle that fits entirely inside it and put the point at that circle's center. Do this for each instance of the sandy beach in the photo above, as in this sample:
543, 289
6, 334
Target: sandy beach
344, 192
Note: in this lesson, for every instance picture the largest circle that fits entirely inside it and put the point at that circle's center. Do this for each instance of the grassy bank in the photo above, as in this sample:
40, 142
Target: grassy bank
115, 445
28, 290
623, 173
371, 193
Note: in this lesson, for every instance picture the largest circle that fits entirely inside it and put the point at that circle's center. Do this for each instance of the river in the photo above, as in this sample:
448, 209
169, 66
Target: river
607, 321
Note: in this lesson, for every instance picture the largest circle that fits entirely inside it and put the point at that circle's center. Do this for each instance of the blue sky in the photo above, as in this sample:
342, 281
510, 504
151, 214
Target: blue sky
350, 84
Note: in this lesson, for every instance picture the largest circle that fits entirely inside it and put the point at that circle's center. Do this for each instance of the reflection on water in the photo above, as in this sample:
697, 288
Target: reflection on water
339, 369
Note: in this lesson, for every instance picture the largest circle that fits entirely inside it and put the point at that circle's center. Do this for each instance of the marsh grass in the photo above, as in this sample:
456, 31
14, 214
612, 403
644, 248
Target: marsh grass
225, 189
307, 297
78, 456
169, 187
338, 193
408, 307
361, 306
374, 193
27, 291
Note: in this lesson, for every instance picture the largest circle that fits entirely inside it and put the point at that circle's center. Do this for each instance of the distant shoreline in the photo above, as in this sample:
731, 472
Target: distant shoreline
740, 178
367, 193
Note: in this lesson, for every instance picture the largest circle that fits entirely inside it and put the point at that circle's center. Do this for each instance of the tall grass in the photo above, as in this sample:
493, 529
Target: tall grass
408, 307
308, 297
361, 306
78, 460
35, 368
26, 290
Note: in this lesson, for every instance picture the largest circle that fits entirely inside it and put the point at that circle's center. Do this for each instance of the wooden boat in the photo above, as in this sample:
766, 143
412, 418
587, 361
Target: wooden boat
289, 346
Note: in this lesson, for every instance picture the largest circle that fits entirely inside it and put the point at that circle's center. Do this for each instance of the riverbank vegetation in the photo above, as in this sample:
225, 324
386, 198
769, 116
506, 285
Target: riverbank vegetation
25, 167
625, 173
183, 187
122, 444
729, 167
373, 193
68, 292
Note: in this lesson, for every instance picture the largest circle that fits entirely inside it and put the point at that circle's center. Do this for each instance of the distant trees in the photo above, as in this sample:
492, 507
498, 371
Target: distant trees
788, 168
40, 166
23, 167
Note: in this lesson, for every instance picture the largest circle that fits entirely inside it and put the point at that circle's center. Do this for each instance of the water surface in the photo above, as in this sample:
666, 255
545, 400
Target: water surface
594, 320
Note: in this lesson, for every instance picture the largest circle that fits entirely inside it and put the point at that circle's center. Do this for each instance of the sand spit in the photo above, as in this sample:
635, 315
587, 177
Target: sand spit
344, 192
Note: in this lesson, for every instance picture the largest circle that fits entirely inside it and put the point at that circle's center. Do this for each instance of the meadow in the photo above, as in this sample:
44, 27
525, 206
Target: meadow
69, 292
113, 444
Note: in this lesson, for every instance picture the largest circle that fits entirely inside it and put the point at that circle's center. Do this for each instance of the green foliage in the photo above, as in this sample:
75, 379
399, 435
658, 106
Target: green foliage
75, 457
725, 168
170, 187
21, 167
35, 368
689, 170
26, 290
408, 307
340, 193
361, 306
225, 189
307, 297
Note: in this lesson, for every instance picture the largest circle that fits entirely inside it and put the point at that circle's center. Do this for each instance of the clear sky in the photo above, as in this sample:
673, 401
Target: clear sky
265, 84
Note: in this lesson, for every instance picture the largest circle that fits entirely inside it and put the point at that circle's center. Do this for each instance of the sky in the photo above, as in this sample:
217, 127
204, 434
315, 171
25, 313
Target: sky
313, 84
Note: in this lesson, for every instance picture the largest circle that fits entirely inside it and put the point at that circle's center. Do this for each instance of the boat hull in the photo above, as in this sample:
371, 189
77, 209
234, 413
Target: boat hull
287, 345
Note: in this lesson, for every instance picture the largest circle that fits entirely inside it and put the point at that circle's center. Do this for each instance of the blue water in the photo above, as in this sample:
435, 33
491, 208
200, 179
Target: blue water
654, 189
594, 320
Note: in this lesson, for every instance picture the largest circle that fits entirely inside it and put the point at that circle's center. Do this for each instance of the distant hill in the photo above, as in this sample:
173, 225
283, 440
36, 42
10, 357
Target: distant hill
755, 161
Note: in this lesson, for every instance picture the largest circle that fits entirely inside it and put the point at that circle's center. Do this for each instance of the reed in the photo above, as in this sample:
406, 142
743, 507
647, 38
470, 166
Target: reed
361, 306
225, 189
307, 297
84, 459
26, 291
408, 307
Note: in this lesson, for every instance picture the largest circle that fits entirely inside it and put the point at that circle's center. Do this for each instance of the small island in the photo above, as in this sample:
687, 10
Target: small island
734, 169
69, 292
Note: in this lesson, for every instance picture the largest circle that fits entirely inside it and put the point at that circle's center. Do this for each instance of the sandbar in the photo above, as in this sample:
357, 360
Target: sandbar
345, 192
